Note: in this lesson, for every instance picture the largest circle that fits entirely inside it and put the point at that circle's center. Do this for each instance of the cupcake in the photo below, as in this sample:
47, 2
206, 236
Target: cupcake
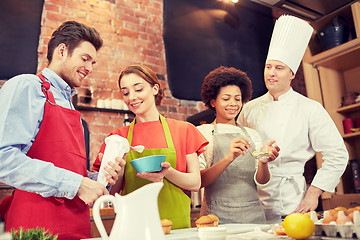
207, 221
166, 225
215, 218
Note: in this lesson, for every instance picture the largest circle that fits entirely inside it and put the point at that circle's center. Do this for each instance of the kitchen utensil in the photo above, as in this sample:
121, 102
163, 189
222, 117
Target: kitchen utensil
148, 164
335, 34
138, 148
137, 215
116, 146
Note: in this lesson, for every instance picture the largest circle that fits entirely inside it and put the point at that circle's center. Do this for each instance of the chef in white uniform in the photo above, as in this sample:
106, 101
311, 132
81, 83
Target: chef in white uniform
299, 125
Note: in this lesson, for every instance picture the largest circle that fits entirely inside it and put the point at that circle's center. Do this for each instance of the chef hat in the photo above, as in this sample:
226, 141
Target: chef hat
289, 40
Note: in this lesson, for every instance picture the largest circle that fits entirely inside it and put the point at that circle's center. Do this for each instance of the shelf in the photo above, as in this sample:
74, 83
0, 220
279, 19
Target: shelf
351, 135
339, 69
86, 108
343, 57
350, 108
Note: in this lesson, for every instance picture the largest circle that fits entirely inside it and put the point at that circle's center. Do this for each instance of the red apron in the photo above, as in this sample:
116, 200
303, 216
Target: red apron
60, 141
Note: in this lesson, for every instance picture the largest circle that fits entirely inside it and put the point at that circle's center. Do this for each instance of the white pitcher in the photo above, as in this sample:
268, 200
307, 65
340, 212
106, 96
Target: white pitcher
137, 215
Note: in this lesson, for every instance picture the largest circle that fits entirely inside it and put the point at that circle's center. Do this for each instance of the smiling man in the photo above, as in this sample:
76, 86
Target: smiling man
42, 149
299, 126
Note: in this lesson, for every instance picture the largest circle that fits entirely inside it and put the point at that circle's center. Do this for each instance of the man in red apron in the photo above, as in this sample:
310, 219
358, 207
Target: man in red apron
53, 190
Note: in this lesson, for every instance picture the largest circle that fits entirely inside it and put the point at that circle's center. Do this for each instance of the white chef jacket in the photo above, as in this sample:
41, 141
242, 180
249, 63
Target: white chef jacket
300, 126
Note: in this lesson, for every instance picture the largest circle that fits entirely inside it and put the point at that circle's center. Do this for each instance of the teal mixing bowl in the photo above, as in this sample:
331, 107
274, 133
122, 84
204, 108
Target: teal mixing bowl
148, 164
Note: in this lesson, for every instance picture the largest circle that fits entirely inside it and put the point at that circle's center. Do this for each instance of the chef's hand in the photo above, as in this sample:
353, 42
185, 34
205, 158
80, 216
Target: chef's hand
91, 190
238, 146
273, 151
310, 201
156, 176
114, 170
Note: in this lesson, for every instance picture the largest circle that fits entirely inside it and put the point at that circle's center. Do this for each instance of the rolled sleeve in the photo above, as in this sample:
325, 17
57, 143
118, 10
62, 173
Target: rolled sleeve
68, 186
202, 162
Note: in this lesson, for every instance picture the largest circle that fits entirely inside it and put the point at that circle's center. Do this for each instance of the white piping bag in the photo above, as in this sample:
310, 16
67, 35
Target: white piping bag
116, 146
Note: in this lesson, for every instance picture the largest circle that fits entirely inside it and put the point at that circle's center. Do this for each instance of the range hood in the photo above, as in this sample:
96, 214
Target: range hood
311, 10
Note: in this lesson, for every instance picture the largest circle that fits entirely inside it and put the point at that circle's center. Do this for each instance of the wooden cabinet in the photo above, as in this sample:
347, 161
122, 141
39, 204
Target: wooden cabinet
329, 75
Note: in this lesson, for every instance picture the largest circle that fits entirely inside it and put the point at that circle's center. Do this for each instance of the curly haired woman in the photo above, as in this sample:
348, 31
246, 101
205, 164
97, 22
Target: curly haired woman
229, 171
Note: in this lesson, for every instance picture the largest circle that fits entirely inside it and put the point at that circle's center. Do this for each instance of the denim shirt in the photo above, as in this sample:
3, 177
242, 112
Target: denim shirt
22, 109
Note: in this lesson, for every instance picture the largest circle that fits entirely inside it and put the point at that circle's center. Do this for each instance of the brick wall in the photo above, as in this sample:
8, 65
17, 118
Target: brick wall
132, 33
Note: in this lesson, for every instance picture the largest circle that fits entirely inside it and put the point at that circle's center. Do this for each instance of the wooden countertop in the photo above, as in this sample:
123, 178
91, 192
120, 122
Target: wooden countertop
108, 211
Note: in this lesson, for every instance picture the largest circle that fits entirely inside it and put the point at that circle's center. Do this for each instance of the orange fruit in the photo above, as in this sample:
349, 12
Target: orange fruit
298, 226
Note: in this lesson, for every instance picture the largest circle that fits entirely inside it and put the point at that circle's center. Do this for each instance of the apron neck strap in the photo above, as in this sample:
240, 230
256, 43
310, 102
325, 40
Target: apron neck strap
45, 86
168, 137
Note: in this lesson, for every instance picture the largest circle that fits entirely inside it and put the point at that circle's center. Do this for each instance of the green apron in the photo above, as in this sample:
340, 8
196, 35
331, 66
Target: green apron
173, 203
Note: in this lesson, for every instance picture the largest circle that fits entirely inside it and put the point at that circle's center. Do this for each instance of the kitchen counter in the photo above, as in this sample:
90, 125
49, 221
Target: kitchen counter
236, 232
192, 233
240, 232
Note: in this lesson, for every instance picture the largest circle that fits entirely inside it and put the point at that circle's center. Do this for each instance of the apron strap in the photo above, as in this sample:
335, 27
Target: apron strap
131, 130
45, 86
168, 137
291, 179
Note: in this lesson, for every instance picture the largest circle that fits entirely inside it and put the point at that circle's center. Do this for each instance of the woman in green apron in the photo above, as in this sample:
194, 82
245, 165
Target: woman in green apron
180, 141
229, 169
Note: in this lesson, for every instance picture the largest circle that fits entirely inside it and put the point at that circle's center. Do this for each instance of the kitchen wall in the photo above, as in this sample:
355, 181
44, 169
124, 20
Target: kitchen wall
132, 31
